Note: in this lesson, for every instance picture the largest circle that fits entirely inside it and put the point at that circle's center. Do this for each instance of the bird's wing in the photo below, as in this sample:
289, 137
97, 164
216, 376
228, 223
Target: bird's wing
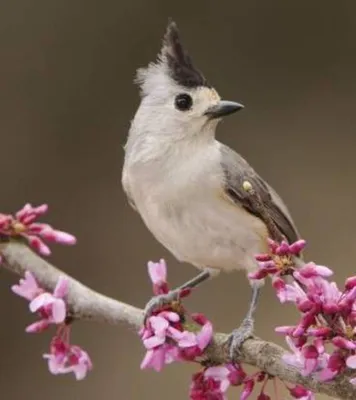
236, 171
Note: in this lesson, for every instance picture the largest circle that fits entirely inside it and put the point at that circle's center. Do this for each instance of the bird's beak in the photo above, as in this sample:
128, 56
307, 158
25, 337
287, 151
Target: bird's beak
222, 109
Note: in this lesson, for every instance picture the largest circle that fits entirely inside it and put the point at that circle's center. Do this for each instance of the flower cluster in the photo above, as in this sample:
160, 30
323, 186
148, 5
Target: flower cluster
213, 382
65, 358
167, 338
52, 309
164, 335
328, 314
23, 225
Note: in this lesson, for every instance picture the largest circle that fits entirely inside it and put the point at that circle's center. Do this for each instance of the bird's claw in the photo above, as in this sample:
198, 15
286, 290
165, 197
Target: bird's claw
238, 337
158, 302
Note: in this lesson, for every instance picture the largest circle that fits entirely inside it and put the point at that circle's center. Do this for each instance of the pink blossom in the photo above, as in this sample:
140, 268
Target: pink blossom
319, 331
335, 365
203, 388
288, 292
64, 358
284, 248
305, 323
311, 270
24, 225
247, 389
159, 328
350, 283
299, 392
351, 362
266, 268
343, 343
79, 362
268, 264
307, 359
157, 358
51, 307
164, 335
164, 330
213, 382
158, 275
27, 287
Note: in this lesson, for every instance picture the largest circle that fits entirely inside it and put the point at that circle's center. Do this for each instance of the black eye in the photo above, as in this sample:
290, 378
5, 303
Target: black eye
183, 102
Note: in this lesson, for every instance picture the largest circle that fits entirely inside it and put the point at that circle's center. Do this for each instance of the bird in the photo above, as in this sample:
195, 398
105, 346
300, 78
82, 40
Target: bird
187, 186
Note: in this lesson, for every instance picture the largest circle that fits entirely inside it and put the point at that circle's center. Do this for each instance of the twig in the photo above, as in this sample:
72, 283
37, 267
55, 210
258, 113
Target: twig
85, 303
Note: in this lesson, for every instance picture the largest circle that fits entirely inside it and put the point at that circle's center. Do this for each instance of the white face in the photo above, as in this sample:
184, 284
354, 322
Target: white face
168, 109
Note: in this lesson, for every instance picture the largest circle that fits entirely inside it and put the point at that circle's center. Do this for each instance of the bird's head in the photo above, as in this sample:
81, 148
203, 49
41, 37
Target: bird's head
176, 99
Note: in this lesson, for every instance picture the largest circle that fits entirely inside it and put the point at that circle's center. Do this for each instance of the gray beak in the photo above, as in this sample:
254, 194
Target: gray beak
222, 109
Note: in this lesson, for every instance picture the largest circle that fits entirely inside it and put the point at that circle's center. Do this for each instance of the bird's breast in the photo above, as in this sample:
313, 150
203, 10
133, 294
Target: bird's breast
194, 220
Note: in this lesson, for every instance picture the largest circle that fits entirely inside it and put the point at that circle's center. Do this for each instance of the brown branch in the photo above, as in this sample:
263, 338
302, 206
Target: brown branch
85, 303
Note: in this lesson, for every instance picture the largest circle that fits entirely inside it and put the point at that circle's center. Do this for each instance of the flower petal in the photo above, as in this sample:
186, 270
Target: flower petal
58, 311
61, 289
40, 301
205, 335
38, 326
157, 271
217, 372
154, 341
188, 340
351, 362
158, 324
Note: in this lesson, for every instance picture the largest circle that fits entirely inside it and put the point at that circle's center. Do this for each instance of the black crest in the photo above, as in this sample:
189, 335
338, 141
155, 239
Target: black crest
180, 66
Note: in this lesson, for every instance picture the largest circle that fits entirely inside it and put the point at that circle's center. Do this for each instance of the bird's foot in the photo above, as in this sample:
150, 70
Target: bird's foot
162, 301
238, 336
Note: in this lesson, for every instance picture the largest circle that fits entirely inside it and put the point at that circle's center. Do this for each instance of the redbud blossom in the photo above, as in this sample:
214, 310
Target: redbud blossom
24, 225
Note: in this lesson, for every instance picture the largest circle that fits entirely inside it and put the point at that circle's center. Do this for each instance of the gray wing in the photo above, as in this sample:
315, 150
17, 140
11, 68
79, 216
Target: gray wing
236, 171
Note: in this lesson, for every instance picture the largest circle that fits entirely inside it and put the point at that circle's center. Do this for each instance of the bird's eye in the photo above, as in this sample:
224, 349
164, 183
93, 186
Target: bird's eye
183, 102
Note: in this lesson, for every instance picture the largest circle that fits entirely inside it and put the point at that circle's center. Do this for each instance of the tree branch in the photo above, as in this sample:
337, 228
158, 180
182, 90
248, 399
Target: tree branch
87, 304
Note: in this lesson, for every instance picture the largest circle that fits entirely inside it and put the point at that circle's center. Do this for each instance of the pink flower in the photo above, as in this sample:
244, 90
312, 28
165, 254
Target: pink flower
266, 268
192, 344
157, 272
64, 358
351, 361
159, 327
288, 292
23, 224
343, 343
203, 388
164, 330
164, 336
213, 382
335, 365
247, 389
311, 270
27, 287
79, 362
157, 358
269, 265
350, 283
307, 359
284, 249
51, 307
299, 392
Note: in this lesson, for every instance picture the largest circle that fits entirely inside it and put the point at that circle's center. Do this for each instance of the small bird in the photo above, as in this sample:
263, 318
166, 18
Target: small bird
187, 186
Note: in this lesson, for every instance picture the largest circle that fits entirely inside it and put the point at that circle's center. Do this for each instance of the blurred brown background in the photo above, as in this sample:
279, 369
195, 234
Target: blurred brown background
66, 101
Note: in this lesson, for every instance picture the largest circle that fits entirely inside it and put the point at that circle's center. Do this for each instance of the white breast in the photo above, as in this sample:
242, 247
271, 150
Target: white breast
183, 205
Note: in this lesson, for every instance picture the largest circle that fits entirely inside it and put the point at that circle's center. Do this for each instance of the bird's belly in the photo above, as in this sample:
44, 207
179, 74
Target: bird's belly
207, 233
